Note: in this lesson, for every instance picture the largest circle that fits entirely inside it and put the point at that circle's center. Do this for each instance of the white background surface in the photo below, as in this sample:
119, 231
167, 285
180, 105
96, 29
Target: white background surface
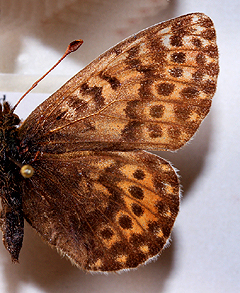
205, 253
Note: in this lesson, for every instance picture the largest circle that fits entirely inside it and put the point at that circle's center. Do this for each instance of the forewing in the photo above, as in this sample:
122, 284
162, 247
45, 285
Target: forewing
105, 211
150, 91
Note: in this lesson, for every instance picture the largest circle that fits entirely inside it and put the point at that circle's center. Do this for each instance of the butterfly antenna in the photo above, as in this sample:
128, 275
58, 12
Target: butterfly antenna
72, 47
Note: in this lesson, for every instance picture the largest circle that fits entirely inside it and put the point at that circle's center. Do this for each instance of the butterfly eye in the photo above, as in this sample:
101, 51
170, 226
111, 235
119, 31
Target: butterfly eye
27, 171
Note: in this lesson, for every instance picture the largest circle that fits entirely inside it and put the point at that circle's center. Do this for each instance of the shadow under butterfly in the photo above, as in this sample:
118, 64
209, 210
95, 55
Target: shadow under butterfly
75, 169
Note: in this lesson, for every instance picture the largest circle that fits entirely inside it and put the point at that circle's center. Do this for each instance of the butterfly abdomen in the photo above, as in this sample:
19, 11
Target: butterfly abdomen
12, 222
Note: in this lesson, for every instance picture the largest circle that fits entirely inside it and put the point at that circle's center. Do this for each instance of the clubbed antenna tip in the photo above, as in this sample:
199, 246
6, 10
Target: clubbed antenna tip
72, 47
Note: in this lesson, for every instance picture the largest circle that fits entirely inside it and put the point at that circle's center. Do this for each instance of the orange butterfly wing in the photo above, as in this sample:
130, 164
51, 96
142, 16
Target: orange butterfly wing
99, 202
150, 91
105, 211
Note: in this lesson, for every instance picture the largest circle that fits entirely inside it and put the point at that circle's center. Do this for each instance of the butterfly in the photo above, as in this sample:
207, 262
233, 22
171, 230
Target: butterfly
76, 169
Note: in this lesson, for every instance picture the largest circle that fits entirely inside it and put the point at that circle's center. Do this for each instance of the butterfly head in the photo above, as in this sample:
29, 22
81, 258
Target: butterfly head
7, 117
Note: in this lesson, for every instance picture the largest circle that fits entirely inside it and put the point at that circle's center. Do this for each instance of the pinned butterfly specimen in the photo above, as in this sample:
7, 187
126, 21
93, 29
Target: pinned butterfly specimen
75, 169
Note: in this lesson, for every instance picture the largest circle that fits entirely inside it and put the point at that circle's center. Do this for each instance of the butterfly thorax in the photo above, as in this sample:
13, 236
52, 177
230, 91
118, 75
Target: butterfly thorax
9, 152
8, 131
11, 199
